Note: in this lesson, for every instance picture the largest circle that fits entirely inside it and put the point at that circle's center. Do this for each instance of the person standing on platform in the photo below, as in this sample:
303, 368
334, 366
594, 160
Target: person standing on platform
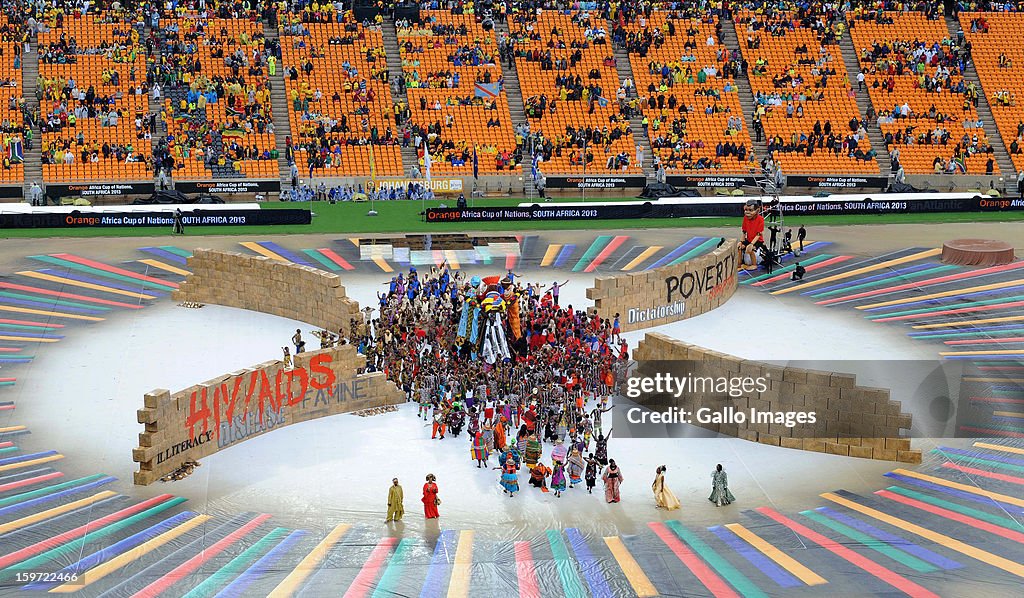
720, 494
430, 499
179, 226
300, 345
612, 479
396, 508
665, 498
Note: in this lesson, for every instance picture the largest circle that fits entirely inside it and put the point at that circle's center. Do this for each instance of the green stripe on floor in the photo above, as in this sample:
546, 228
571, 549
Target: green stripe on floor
97, 272
388, 583
986, 462
945, 504
776, 271
323, 261
571, 584
884, 281
591, 252
874, 544
731, 574
238, 564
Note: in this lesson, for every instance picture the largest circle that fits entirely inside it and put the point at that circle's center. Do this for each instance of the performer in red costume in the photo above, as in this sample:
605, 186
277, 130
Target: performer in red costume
430, 499
753, 235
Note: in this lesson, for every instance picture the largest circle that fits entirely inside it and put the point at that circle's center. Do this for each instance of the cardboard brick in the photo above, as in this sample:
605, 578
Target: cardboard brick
899, 444
814, 444
834, 448
884, 454
909, 457
862, 452
792, 443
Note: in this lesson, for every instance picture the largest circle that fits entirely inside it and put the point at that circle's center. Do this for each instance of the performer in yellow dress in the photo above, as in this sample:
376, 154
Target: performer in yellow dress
665, 498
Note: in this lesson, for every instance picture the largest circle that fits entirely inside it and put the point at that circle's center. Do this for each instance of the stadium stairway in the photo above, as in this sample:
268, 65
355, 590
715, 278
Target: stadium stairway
516, 109
394, 56
160, 132
29, 78
849, 53
640, 135
1006, 169
744, 91
279, 104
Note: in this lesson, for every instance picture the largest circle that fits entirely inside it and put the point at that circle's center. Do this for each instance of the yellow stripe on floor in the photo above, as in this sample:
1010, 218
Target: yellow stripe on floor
84, 285
47, 514
634, 574
964, 487
782, 559
451, 258
1014, 414
11, 429
992, 379
26, 339
43, 312
164, 266
646, 253
953, 293
940, 539
256, 247
38, 461
100, 571
383, 264
999, 447
289, 585
550, 254
844, 275
969, 322
461, 570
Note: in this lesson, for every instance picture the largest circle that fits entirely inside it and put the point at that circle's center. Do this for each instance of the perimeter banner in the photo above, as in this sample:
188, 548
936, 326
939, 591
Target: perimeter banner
595, 182
229, 187
86, 218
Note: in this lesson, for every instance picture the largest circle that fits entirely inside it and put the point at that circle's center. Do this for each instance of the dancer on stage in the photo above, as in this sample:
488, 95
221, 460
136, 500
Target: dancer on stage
538, 476
720, 494
430, 499
510, 476
591, 474
558, 479
612, 479
395, 507
479, 450
664, 497
575, 467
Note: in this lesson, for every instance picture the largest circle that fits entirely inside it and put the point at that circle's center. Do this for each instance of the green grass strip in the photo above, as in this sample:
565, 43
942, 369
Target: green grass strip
731, 574
877, 545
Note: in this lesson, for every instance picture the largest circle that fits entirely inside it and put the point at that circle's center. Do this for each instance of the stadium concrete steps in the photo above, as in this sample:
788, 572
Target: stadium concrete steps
279, 104
849, 53
398, 93
640, 136
1002, 155
516, 105
33, 164
746, 95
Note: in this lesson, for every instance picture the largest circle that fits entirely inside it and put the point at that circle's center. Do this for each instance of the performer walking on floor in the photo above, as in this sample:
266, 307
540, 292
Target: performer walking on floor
430, 499
664, 497
612, 478
720, 494
395, 497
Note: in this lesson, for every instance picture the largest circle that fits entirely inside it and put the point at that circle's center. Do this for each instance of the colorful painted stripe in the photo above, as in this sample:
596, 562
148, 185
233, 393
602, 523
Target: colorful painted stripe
972, 307
47, 514
291, 584
108, 282
678, 251
571, 584
907, 273
940, 539
13, 430
701, 249
41, 496
453, 260
564, 254
228, 571
952, 506
50, 457
337, 259
64, 295
612, 246
433, 585
995, 496
630, 568
881, 547
52, 314
992, 431
888, 576
785, 269
177, 250
73, 541
739, 581
264, 251
165, 267
285, 253
799, 570
549, 254
999, 447
957, 323
644, 255
236, 588
87, 265
86, 283
988, 341
29, 481
388, 584
763, 563
98, 565
953, 294
458, 587
872, 268
588, 564
817, 266
891, 539
928, 282
165, 254
951, 515
1002, 477
322, 260
696, 566
595, 247
29, 300
526, 571
982, 457
383, 264
363, 582
178, 573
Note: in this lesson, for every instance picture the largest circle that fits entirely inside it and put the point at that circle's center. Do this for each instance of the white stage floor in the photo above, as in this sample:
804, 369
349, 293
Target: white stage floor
84, 397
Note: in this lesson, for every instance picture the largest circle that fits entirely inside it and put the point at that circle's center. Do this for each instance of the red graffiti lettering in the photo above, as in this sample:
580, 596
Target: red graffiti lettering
304, 382
317, 367
196, 415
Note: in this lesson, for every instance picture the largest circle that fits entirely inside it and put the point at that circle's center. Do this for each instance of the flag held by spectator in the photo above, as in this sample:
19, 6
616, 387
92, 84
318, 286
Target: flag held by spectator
486, 90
